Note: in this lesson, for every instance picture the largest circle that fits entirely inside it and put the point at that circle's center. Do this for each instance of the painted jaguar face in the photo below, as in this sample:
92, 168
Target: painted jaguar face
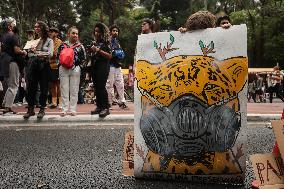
195, 104
200, 76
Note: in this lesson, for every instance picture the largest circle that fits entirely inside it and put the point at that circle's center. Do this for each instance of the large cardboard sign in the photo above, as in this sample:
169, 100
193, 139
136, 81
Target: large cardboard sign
278, 127
190, 105
268, 169
276, 186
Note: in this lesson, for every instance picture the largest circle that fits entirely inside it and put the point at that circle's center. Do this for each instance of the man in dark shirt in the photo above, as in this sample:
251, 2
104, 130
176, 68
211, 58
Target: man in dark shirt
115, 76
10, 49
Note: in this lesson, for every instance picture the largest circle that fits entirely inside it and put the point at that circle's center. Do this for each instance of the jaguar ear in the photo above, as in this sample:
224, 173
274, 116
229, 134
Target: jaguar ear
237, 71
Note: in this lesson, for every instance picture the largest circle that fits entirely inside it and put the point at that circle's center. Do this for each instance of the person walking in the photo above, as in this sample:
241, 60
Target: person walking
274, 80
258, 88
38, 70
69, 72
54, 80
115, 76
10, 56
100, 67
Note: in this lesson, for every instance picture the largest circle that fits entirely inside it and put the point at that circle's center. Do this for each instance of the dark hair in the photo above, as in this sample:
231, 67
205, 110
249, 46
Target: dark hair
150, 22
114, 26
44, 30
54, 29
16, 30
200, 20
104, 30
219, 20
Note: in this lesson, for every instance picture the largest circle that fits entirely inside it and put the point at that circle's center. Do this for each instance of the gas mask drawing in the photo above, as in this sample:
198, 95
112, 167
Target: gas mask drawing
191, 111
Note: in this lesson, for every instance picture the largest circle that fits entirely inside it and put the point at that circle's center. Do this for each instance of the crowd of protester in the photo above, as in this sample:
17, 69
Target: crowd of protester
61, 71
263, 87
55, 71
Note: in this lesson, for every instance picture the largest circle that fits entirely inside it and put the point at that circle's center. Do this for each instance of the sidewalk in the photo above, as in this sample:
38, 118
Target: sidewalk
255, 112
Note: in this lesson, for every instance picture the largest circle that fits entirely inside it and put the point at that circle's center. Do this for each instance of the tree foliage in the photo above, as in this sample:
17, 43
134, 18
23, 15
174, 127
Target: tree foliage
264, 18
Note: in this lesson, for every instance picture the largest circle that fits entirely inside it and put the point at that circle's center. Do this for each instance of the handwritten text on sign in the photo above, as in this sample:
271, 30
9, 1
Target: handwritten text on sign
268, 169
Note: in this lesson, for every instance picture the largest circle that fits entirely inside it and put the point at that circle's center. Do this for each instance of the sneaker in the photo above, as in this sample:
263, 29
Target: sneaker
123, 105
29, 113
96, 111
114, 103
41, 113
8, 111
104, 113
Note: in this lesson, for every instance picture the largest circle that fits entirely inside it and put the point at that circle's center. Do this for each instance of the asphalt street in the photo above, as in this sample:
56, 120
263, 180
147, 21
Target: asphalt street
88, 157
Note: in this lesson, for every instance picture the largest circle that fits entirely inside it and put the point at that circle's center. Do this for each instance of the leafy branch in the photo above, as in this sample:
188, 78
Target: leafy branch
207, 49
163, 51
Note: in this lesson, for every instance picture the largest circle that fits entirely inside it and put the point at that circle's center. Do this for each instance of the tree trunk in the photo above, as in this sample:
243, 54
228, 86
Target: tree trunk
260, 44
111, 12
102, 12
253, 38
205, 4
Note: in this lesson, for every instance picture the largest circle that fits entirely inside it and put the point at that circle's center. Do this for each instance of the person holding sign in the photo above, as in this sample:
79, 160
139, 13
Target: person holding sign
38, 69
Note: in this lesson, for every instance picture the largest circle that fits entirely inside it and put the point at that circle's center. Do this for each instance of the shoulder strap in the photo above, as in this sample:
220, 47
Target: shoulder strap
77, 45
64, 45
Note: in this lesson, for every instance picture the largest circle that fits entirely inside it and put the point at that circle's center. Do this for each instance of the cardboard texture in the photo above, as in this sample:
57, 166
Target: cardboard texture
190, 105
276, 186
268, 169
31, 44
128, 155
278, 128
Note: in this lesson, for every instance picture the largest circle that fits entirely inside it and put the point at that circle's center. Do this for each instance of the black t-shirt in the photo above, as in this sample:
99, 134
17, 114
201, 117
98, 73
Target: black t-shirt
8, 42
98, 59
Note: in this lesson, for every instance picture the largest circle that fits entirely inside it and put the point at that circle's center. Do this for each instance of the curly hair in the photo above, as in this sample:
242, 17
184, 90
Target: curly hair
200, 20
44, 30
104, 31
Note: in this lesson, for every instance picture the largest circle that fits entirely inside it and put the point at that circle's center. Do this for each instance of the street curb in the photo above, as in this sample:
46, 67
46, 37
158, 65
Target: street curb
263, 117
52, 119
117, 118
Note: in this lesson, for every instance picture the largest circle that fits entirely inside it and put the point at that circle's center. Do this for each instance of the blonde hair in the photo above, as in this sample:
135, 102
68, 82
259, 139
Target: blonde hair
72, 28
